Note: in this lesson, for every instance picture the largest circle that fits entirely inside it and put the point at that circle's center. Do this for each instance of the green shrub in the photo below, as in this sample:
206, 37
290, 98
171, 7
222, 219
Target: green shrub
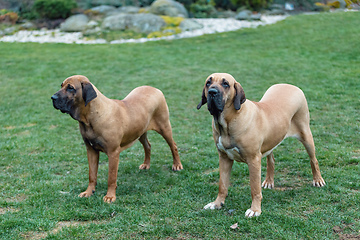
224, 4
203, 9
54, 9
252, 4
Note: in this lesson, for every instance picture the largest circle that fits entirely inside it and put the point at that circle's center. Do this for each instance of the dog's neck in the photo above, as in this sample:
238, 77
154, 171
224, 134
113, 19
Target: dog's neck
89, 114
221, 120
220, 123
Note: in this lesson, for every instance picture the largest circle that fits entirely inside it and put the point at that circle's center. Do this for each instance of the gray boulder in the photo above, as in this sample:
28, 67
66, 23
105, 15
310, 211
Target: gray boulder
142, 22
128, 9
169, 8
227, 14
75, 23
92, 24
116, 22
9, 30
256, 16
343, 3
274, 12
104, 9
244, 15
115, 3
28, 25
146, 23
91, 31
189, 25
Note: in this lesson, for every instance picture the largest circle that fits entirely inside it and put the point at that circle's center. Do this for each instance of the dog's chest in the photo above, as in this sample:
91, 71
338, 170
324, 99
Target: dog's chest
89, 136
233, 152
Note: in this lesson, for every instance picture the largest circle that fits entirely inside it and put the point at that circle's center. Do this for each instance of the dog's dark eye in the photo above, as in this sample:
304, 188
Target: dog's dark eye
208, 82
225, 84
70, 88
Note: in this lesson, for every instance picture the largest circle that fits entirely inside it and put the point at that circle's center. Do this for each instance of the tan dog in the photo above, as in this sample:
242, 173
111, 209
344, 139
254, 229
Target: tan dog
110, 126
246, 131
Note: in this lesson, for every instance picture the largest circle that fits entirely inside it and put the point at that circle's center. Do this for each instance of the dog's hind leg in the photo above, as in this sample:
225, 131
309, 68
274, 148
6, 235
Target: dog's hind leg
147, 148
269, 180
307, 140
300, 128
165, 131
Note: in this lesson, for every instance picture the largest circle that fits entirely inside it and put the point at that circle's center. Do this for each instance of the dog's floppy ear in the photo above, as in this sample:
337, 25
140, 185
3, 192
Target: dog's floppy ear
203, 100
239, 96
88, 92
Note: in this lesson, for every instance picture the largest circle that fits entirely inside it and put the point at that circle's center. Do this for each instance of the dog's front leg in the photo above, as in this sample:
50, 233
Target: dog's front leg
255, 183
93, 160
225, 166
113, 171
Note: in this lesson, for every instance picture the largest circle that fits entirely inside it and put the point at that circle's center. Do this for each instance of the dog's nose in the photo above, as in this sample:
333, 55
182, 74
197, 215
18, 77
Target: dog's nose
54, 97
213, 91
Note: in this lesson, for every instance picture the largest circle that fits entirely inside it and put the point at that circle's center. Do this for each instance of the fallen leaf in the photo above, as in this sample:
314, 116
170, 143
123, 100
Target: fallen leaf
234, 226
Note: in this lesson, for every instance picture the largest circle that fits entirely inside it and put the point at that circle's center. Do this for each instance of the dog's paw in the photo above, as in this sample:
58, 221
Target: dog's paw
86, 193
212, 206
319, 182
144, 166
109, 198
177, 167
250, 213
267, 184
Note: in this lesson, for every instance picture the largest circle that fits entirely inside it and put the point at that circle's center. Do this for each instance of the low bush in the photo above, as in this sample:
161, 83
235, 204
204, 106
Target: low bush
54, 9
203, 9
252, 4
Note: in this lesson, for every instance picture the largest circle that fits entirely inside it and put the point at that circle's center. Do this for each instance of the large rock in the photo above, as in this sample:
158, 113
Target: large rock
27, 25
116, 22
104, 8
169, 8
115, 3
146, 23
75, 23
190, 25
244, 15
143, 22
129, 9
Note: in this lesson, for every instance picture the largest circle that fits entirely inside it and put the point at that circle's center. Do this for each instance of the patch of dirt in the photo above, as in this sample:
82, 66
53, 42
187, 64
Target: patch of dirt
33, 235
17, 198
346, 236
182, 237
21, 126
7, 209
349, 237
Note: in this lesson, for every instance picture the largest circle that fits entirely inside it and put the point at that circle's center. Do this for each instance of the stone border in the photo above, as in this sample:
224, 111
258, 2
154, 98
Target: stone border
210, 26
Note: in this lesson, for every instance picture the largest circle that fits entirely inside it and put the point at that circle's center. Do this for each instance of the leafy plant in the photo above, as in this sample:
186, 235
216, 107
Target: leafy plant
203, 9
167, 31
54, 9
172, 21
252, 4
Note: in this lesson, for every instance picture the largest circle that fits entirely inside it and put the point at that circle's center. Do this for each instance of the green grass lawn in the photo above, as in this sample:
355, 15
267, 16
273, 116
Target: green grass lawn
43, 164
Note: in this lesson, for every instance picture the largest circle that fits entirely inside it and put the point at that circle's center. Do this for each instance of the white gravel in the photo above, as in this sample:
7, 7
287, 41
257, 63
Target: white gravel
211, 25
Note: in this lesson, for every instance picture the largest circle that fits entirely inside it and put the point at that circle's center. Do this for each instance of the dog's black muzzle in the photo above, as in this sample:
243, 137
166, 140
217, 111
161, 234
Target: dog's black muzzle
55, 100
215, 101
60, 104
